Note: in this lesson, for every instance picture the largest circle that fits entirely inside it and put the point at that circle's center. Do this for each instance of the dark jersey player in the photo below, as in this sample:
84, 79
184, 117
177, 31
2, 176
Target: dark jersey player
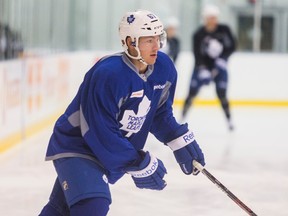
172, 48
213, 44
101, 135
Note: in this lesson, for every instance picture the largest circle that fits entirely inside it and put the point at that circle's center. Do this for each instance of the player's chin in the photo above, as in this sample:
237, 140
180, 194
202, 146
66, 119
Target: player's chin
152, 59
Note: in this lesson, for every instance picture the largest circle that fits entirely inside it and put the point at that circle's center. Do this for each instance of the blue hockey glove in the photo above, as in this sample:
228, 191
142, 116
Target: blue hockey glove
149, 173
186, 149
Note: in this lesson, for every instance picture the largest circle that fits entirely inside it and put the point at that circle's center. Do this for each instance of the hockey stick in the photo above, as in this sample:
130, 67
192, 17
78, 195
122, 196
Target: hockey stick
223, 188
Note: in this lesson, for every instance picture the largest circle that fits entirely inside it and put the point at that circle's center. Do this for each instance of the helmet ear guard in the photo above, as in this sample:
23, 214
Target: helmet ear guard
140, 23
124, 42
163, 39
133, 43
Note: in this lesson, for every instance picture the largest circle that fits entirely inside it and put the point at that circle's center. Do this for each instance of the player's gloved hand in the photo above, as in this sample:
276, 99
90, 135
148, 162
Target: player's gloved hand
186, 149
221, 63
204, 76
149, 173
214, 48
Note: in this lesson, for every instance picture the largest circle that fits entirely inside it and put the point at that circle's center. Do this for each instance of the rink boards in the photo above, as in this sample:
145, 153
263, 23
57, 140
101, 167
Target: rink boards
35, 90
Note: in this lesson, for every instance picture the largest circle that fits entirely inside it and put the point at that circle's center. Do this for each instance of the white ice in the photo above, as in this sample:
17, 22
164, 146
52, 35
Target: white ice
252, 162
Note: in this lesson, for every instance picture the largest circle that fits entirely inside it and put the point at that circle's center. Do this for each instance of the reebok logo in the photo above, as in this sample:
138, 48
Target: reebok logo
159, 87
188, 138
147, 172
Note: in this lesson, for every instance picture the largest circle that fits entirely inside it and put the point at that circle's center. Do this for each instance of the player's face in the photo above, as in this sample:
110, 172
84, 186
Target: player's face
149, 47
211, 23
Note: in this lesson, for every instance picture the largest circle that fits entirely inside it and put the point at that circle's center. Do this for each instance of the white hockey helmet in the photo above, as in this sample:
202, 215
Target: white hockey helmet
210, 11
140, 23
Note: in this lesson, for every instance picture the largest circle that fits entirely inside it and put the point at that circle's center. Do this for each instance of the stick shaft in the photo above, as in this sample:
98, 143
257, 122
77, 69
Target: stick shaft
223, 188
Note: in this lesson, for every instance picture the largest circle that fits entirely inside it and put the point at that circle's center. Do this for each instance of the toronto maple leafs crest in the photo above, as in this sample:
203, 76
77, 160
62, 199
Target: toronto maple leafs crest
132, 122
130, 19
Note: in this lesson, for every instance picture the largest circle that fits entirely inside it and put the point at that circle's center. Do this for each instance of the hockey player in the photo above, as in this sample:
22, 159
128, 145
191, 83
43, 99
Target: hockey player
101, 135
213, 44
172, 48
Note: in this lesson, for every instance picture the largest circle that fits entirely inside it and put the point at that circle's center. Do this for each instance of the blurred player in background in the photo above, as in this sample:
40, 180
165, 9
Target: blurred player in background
172, 48
102, 133
213, 43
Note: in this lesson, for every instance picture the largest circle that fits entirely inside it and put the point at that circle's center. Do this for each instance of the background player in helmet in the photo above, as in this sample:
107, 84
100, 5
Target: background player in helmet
101, 135
213, 44
172, 48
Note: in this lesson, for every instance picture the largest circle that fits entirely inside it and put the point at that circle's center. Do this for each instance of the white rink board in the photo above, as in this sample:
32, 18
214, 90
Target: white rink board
46, 84
251, 77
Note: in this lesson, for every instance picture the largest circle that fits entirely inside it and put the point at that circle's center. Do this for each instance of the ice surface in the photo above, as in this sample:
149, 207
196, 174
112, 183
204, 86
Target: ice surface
252, 162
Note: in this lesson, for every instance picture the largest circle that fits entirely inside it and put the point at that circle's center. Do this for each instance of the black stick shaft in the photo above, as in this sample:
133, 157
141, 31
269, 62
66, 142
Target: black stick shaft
223, 188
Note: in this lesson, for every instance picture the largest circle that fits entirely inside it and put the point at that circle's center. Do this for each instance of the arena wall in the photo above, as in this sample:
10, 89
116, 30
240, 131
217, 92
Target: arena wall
34, 91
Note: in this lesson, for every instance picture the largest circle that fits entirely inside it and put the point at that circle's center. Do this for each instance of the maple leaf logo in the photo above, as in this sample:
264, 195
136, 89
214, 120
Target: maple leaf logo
130, 19
132, 122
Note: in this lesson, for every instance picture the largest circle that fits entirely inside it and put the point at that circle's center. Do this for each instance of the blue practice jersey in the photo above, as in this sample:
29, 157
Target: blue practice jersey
114, 110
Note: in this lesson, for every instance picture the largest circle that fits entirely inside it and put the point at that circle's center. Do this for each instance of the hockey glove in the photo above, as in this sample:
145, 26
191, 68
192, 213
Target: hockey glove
221, 63
186, 149
149, 173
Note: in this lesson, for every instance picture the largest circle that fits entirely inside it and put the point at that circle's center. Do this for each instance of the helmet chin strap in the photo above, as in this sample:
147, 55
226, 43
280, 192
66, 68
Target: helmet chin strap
138, 57
142, 61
